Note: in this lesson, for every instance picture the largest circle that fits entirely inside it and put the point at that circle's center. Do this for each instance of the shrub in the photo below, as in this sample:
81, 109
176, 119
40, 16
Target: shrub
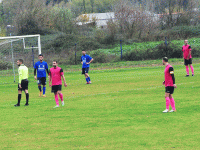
87, 43
5, 65
171, 51
100, 57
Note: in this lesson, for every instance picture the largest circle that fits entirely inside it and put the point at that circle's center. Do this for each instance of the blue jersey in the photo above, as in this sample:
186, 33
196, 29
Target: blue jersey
41, 68
85, 59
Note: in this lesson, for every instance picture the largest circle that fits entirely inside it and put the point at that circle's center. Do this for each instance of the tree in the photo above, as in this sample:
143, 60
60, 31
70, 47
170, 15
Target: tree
132, 21
92, 5
60, 18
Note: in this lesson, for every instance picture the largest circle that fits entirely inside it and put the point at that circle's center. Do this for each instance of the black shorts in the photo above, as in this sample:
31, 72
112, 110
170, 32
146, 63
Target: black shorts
41, 80
169, 89
85, 70
187, 62
24, 85
56, 88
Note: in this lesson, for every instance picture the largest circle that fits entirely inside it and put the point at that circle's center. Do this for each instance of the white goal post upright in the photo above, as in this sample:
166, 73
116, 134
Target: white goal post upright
11, 39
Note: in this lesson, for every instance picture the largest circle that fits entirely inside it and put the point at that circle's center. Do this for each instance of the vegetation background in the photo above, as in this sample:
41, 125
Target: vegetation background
146, 28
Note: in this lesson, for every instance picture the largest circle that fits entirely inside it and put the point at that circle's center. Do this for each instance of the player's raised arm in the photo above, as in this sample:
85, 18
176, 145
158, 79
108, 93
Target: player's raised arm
90, 61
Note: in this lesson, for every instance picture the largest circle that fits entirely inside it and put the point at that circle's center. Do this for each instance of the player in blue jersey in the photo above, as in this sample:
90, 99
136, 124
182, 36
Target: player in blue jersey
41, 67
85, 61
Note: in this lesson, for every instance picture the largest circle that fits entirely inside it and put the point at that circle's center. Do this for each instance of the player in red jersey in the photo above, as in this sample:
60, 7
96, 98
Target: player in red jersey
169, 85
55, 82
187, 57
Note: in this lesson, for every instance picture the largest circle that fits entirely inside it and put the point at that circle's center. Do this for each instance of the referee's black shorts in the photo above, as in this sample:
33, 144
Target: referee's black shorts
187, 62
169, 89
24, 85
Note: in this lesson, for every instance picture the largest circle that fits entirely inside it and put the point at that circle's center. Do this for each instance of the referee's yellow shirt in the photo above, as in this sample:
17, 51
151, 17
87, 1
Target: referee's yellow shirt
23, 73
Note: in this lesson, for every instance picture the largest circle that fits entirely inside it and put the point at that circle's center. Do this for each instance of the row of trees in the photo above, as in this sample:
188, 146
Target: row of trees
134, 19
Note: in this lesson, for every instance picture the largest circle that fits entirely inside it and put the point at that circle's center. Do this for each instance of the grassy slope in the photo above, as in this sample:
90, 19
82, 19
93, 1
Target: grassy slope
122, 109
146, 45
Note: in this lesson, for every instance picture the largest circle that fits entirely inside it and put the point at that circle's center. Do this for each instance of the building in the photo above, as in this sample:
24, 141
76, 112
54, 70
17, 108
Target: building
99, 19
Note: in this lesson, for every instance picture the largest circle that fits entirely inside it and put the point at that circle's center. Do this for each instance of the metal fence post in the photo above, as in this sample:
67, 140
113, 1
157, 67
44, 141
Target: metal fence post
121, 48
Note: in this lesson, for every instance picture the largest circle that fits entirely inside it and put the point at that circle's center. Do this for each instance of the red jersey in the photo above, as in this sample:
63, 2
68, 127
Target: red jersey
169, 76
186, 49
55, 75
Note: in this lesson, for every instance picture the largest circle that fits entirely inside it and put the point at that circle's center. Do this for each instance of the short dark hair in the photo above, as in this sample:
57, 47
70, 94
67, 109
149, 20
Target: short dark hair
84, 50
21, 60
55, 61
40, 55
165, 59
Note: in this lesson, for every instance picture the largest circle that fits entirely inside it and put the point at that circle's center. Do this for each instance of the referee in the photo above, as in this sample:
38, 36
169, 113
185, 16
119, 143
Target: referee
23, 82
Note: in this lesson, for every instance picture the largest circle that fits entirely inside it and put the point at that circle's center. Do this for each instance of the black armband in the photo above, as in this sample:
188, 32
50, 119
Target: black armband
171, 71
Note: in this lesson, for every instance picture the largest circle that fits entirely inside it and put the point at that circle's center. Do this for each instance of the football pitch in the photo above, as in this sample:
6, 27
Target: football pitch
121, 109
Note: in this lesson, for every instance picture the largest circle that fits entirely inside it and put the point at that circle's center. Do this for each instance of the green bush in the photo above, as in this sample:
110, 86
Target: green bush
62, 41
161, 50
87, 43
100, 57
5, 65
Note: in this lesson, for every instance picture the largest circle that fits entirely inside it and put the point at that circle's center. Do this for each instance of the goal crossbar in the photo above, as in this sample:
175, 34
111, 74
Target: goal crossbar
24, 36
9, 41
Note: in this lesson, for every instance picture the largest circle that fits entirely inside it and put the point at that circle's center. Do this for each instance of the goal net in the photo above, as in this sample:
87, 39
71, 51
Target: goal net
12, 48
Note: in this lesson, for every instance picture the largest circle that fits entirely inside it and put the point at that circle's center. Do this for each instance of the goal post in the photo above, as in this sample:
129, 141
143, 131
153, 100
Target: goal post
22, 37
29, 40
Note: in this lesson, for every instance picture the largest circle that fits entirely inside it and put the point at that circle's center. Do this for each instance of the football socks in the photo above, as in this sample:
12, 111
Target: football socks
61, 96
172, 103
19, 98
167, 102
44, 90
39, 87
192, 69
27, 98
56, 99
187, 70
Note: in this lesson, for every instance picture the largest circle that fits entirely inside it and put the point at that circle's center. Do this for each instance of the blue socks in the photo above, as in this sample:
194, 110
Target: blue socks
39, 87
44, 89
87, 79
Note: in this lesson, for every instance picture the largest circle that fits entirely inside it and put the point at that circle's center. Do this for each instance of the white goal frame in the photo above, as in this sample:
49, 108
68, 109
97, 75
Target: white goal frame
11, 39
22, 37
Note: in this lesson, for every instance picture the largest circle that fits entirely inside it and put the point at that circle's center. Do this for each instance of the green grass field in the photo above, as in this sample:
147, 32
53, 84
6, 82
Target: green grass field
121, 109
